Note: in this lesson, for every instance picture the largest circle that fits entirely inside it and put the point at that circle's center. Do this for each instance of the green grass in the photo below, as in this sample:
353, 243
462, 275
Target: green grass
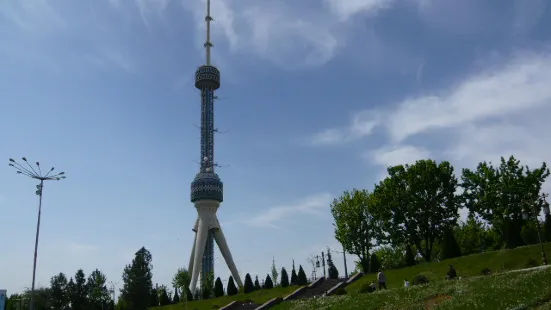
257, 297
515, 290
466, 266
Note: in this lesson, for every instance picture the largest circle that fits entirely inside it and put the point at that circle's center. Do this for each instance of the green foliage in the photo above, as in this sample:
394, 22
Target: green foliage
137, 284
98, 294
332, 270
207, 285
499, 194
415, 203
391, 257
248, 285
257, 284
231, 289
486, 272
355, 227
182, 280
420, 279
472, 236
176, 298
78, 291
59, 292
529, 233
301, 277
450, 248
153, 298
163, 297
409, 256
218, 288
547, 228
268, 283
294, 277
366, 288
275, 274
284, 277
375, 264
340, 291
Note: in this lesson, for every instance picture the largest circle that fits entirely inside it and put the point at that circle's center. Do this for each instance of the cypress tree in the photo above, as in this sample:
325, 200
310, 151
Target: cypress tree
301, 277
257, 284
268, 283
410, 257
375, 264
450, 248
248, 286
176, 298
294, 277
163, 298
331, 270
232, 289
284, 277
218, 288
153, 298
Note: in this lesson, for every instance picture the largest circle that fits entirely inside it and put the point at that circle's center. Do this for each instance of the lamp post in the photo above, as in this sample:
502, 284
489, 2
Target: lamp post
531, 212
38, 175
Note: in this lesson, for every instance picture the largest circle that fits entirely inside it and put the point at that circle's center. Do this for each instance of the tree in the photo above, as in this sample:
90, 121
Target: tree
78, 291
182, 280
294, 278
163, 297
415, 203
137, 285
275, 274
257, 284
547, 228
332, 271
529, 233
59, 292
471, 235
248, 287
375, 263
450, 248
391, 257
218, 288
355, 227
98, 294
176, 298
301, 277
154, 298
207, 286
284, 278
268, 283
499, 194
409, 256
232, 289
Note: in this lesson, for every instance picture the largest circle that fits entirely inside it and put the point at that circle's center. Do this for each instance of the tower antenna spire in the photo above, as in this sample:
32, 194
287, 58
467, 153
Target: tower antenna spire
208, 44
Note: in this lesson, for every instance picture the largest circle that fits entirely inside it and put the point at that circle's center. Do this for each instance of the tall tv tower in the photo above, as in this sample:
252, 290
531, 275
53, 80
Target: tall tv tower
207, 188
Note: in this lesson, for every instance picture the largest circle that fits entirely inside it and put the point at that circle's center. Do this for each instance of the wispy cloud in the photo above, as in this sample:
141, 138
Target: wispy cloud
272, 217
362, 124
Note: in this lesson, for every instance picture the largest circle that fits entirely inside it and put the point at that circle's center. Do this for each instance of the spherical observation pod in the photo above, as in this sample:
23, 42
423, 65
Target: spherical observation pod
207, 186
207, 77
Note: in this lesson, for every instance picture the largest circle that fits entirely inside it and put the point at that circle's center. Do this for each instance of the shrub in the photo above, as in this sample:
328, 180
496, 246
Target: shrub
232, 289
486, 272
268, 283
420, 279
218, 288
284, 278
248, 286
301, 278
340, 291
531, 262
257, 284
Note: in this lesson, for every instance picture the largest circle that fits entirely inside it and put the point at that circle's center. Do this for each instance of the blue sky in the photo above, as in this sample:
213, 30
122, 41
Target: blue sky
317, 96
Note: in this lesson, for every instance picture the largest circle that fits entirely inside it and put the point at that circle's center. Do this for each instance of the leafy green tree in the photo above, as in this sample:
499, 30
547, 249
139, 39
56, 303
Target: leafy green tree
154, 298
163, 297
248, 286
111, 305
59, 292
410, 256
176, 298
499, 194
547, 228
207, 286
355, 227
268, 283
182, 280
415, 203
391, 257
301, 277
375, 263
218, 288
232, 289
98, 294
78, 291
275, 274
137, 285
529, 233
284, 278
294, 277
471, 235
257, 284
42, 298
332, 270
450, 248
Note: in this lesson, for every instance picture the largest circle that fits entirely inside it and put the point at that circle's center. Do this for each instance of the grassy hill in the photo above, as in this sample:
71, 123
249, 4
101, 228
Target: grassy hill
466, 266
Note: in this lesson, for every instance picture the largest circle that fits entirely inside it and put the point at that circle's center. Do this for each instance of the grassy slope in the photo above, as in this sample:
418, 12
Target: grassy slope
466, 266
514, 290
258, 297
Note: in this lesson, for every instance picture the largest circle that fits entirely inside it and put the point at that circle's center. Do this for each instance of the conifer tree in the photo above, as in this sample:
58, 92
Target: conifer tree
231, 289
294, 277
268, 283
176, 298
163, 297
410, 256
375, 264
331, 269
218, 288
450, 248
301, 277
136, 291
257, 284
284, 277
248, 287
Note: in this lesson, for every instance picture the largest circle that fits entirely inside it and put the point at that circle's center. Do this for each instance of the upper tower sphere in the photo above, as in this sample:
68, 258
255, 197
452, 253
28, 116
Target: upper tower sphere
207, 186
207, 77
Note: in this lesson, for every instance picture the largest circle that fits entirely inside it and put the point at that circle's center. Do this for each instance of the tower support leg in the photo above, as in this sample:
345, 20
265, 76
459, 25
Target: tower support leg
192, 257
225, 250
200, 244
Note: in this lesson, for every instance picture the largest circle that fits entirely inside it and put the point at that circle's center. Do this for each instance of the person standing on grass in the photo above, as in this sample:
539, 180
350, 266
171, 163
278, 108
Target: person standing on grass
381, 278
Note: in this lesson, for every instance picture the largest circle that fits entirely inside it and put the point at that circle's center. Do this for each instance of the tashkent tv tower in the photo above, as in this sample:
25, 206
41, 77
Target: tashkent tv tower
207, 188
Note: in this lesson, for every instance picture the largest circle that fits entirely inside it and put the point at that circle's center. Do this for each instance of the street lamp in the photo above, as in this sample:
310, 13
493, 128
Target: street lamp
532, 213
38, 175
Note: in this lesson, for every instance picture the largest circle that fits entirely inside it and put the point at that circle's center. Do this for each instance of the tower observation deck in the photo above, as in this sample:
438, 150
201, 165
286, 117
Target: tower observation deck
207, 191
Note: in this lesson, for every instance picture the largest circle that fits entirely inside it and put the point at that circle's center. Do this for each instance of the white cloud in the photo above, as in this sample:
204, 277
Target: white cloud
347, 9
362, 124
392, 156
312, 205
